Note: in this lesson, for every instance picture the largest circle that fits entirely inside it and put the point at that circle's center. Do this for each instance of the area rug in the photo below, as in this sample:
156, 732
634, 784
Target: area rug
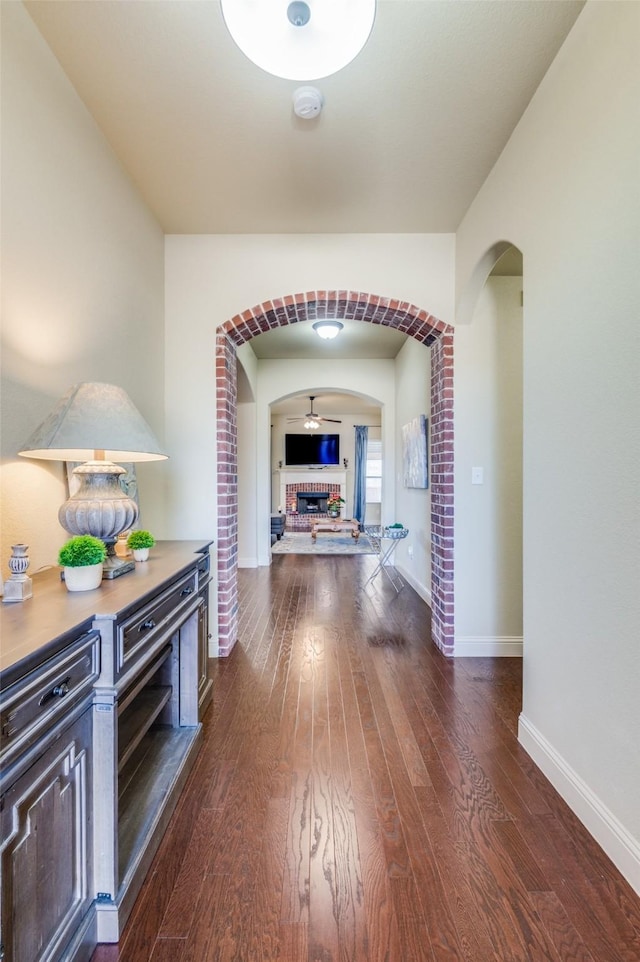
327, 542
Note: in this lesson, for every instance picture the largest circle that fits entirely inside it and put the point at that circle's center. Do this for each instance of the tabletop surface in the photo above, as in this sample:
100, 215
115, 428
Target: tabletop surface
35, 629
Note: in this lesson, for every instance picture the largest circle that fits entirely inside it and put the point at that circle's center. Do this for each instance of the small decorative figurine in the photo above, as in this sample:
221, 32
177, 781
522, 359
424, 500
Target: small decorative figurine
18, 587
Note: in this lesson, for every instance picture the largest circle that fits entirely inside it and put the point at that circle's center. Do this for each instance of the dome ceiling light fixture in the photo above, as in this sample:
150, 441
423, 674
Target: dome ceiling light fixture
327, 330
300, 40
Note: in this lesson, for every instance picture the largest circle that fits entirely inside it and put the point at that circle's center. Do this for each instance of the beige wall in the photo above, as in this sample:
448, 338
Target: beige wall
211, 278
82, 298
82, 272
566, 192
413, 505
374, 379
488, 436
345, 431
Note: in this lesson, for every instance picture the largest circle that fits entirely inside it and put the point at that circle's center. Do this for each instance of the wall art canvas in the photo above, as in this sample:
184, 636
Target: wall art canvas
415, 460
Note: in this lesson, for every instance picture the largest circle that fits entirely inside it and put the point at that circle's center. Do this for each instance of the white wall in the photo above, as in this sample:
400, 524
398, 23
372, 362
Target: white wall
209, 279
413, 505
346, 433
281, 425
277, 379
82, 291
488, 435
247, 487
566, 192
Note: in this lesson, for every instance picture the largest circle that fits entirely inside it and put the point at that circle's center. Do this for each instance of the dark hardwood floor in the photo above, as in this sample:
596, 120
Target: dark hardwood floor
361, 798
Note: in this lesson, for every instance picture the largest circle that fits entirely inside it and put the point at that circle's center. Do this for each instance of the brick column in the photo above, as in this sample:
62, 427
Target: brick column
442, 505
227, 447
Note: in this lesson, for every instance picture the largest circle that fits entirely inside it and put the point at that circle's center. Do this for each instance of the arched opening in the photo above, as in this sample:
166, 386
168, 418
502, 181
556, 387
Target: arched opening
489, 462
369, 309
340, 409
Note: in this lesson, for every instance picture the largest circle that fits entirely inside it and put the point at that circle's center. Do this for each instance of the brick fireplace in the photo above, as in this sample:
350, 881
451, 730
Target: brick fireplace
306, 500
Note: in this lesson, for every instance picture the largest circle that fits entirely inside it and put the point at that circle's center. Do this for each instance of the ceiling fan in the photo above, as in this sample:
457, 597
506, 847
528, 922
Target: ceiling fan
313, 420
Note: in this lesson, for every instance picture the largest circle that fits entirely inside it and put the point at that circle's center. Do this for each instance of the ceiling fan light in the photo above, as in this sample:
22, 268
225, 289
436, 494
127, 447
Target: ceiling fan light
300, 40
311, 424
328, 329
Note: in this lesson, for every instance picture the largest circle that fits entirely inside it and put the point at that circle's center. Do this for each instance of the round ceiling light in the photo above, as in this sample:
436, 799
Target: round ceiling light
328, 329
298, 40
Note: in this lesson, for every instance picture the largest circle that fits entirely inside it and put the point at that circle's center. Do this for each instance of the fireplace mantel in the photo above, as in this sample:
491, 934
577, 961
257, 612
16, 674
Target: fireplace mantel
310, 476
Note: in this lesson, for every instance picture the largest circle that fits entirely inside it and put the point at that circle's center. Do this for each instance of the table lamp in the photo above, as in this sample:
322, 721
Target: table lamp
97, 424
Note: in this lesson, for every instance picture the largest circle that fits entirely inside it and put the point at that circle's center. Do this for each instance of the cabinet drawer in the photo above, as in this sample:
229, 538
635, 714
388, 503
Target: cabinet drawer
36, 701
152, 620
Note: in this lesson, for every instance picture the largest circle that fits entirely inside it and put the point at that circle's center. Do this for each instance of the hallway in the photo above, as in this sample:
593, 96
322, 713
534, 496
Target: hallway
361, 798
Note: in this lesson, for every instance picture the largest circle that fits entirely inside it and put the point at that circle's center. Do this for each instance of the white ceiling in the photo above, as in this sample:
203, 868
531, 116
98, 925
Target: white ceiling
409, 131
329, 404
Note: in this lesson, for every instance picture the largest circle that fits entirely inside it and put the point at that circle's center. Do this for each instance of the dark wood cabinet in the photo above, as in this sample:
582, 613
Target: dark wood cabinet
100, 725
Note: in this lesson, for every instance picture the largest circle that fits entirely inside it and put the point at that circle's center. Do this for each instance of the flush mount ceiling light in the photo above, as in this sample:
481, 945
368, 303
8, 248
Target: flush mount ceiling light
300, 40
328, 329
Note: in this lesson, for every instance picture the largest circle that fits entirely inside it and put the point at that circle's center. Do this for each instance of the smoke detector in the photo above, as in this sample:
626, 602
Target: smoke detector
307, 102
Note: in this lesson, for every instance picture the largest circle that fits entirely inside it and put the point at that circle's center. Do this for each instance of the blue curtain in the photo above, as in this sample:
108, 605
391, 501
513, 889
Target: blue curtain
360, 481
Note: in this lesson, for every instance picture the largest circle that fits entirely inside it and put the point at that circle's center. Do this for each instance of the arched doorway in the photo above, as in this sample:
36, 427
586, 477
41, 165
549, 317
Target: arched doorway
369, 309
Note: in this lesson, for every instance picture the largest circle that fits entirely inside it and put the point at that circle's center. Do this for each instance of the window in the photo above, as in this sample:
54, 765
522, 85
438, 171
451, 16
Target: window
374, 472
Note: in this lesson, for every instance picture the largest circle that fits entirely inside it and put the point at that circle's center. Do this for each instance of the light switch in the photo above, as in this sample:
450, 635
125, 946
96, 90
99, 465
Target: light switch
477, 475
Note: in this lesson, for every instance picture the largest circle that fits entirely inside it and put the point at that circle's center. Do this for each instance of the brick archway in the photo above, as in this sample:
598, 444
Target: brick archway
370, 309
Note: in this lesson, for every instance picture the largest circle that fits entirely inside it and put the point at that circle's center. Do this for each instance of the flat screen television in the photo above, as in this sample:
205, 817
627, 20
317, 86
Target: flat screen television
312, 449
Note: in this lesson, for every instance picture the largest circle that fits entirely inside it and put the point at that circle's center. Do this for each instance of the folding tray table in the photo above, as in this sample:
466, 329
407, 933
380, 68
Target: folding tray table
378, 535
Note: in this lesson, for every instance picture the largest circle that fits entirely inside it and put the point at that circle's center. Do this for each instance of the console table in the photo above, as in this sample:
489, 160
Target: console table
101, 698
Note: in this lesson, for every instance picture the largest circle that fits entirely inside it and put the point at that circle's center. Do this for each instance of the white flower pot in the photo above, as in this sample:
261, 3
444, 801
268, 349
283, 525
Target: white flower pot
84, 578
141, 554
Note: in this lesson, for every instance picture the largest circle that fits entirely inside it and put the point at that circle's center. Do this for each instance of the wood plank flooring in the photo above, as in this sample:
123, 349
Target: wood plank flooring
361, 798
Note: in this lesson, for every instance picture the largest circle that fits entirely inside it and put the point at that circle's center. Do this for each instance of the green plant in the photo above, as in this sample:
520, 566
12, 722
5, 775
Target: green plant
81, 551
334, 502
140, 539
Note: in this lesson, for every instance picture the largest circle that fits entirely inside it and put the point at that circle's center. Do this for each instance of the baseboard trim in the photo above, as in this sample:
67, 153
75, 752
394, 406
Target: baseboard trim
417, 586
247, 562
621, 847
471, 646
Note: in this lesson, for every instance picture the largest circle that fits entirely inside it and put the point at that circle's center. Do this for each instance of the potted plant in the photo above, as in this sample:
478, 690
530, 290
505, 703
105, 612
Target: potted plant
140, 542
82, 558
334, 505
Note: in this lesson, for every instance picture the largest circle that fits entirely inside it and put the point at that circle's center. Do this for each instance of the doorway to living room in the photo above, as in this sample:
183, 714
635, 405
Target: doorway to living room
368, 309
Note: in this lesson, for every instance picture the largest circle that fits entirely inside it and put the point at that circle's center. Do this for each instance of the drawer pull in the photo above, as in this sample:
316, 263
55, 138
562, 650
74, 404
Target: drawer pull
60, 690
186, 591
7, 733
147, 625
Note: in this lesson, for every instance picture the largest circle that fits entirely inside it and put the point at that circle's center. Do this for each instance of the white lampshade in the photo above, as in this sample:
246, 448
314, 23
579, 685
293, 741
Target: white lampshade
97, 424
94, 421
274, 35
